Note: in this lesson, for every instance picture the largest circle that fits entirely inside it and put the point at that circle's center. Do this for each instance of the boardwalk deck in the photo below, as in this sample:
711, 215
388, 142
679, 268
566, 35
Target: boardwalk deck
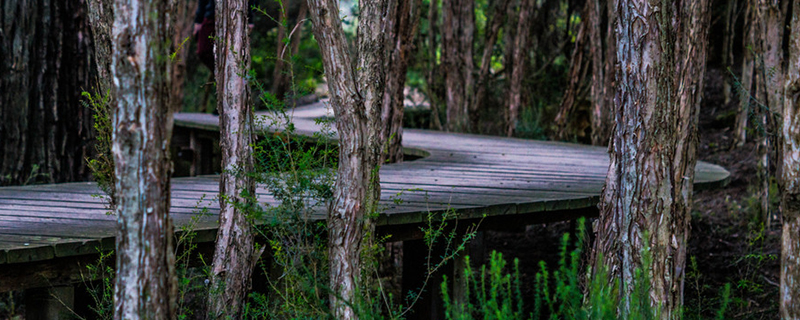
514, 180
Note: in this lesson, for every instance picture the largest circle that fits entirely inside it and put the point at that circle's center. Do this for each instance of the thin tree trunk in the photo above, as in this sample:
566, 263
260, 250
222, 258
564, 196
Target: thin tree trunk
402, 27
653, 152
281, 82
101, 16
790, 200
482, 82
578, 63
746, 81
182, 27
433, 27
727, 45
356, 97
145, 285
234, 251
45, 62
458, 23
604, 88
520, 61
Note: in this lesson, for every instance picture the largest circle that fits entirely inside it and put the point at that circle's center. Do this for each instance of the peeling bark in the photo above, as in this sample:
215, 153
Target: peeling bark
356, 97
790, 178
661, 53
234, 252
145, 285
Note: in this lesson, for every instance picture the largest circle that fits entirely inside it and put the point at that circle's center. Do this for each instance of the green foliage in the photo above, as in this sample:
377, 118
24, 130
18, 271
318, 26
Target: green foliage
99, 282
493, 292
102, 165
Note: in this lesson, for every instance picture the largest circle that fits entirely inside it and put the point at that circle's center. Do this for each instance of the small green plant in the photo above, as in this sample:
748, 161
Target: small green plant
102, 165
493, 292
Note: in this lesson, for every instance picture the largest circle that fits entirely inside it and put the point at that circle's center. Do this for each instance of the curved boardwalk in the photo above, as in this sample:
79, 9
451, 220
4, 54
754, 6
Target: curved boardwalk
513, 181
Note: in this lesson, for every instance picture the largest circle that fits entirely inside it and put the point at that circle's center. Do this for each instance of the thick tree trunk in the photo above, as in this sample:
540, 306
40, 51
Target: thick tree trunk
519, 62
45, 132
234, 253
746, 80
145, 285
402, 26
281, 82
653, 151
790, 200
356, 97
458, 23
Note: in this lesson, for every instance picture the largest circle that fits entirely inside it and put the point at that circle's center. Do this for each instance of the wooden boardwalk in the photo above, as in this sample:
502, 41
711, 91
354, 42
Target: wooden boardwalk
512, 181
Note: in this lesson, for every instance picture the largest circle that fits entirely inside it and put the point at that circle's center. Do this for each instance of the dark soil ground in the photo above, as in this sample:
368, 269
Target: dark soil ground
727, 244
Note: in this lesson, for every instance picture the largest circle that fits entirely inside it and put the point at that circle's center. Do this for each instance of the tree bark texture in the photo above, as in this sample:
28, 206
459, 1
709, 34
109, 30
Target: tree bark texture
101, 16
145, 285
46, 49
234, 251
519, 62
458, 33
402, 25
661, 53
357, 93
790, 200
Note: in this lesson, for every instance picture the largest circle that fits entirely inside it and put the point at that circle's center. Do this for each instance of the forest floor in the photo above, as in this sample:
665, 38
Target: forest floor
728, 243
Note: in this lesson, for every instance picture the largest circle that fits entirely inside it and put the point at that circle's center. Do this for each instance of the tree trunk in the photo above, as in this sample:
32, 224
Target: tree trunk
491, 33
356, 98
653, 152
281, 78
727, 45
578, 64
519, 61
46, 50
234, 251
145, 285
790, 200
431, 79
771, 18
458, 23
401, 28
182, 27
746, 80
604, 86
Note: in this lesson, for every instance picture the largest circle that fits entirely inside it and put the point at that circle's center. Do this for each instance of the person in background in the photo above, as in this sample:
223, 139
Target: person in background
204, 30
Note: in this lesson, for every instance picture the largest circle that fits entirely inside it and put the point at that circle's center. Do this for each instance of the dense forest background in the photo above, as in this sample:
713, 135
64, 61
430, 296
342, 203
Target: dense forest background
528, 69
